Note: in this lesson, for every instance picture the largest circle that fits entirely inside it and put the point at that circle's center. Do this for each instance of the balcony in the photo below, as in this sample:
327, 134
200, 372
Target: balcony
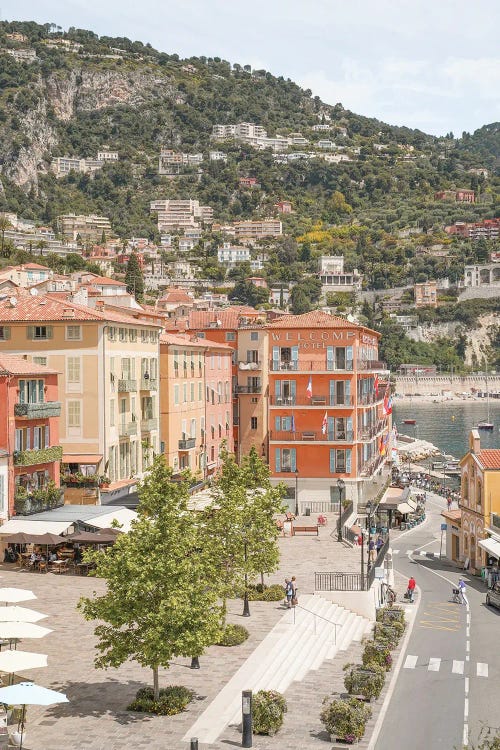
250, 366
248, 389
286, 436
37, 456
311, 365
148, 384
26, 503
126, 385
371, 364
316, 400
148, 425
44, 410
187, 444
126, 429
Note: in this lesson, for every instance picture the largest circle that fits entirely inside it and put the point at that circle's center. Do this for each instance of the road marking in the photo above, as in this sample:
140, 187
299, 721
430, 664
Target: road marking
410, 662
467, 646
434, 664
467, 631
466, 686
396, 551
482, 669
458, 667
466, 708
466, 735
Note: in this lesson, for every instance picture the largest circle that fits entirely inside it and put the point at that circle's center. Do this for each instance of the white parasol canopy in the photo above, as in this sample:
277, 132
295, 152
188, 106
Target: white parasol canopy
15, 595
16, 661
11, 630
20, 614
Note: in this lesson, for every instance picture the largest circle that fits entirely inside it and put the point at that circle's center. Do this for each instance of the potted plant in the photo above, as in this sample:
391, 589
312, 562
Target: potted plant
345, 720
377, 653
103, 481
269, 708
366, 681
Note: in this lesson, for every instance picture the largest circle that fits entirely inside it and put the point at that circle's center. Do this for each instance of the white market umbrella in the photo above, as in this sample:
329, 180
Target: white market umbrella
11, 630
20, 614
28, 694
16, 661
12, 595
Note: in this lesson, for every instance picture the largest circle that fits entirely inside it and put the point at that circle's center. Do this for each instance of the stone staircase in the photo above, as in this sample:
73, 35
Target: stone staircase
300, 642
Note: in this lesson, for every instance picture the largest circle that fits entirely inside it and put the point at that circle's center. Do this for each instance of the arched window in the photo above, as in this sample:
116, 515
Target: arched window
465, 488
479, 492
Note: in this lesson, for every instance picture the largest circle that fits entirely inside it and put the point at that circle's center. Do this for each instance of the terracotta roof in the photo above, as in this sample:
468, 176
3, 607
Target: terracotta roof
228, 318
11, 364
171, 339
48, 308
174, 295
316, 319
32, 267
103, 281
489, 458
453, 515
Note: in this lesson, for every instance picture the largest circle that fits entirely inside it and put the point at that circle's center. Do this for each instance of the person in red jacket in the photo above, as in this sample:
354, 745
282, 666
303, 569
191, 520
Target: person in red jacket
411, 588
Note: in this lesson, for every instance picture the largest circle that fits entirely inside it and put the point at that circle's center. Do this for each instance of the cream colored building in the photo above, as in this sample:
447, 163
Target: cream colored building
252, 390
108, 386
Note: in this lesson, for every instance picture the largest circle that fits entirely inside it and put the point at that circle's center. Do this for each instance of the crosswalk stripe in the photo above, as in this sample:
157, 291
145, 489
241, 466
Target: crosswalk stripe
396, 551
482, 669
458, 667
434, 664
410, 662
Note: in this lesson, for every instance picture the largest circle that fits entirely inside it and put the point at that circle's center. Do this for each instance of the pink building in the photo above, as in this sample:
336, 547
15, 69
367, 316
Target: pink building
218, 402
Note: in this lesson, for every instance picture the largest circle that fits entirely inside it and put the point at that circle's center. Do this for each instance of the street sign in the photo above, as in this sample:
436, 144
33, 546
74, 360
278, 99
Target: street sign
379, 573
444, 526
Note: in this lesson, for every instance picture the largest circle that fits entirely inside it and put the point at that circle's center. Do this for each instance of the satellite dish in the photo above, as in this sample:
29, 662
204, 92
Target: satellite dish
33, 291
13, 301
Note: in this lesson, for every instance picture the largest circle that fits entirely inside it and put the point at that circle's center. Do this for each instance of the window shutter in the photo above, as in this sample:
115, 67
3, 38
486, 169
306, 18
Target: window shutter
28, 439
36, 438
22, 392
329, 358
277, 424
30, 332
348, 353
6, 333
40, 392
50, 331
295, 353
293, 459
349, 428
348, 461
332, 392
331, 431
348, 389
332, 460
277, 388
277, 460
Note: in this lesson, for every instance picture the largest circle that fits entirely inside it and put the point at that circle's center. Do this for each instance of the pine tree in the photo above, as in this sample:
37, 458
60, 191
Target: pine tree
134, 278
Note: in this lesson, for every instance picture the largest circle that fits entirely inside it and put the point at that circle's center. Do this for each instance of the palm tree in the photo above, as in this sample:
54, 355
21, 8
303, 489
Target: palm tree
41, 245
4, 225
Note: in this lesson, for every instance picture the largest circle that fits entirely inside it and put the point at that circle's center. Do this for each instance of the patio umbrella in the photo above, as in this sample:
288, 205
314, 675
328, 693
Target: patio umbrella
28, 694
13, 595
11, 630
16, 661
20, 614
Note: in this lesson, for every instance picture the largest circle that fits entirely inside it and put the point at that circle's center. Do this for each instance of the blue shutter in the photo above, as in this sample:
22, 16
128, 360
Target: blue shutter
330, 358
277, 460
349, 428
295, 357
332, 392
28, 438
347, 391
293, 390
276, 358
331, 428
332, 460
277, 424
277, 388
348, 355
293, 459
287, 423
22, 392
40, 392
47, 436
348, 461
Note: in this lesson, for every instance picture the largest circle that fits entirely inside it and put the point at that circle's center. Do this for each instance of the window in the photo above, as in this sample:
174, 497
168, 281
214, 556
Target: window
41, 438
253, 423
38, 333
112, 412
74, 370
40, 361
73, 333
184, 393
200, 391
200, 335
144, 337
340, 461
31, 392
286, 459
74, 413
192, 392
122, 334
4, 335
176, 395
254, 335
253, 355
230, 336
22, 439
132, 335
111, 333
193, 428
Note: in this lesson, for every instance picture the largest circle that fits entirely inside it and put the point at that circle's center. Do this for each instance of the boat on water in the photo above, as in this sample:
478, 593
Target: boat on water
409, 421
485, 425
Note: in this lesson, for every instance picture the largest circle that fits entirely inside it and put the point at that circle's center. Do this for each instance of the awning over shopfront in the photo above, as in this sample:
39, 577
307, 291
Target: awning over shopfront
405, 508
18, 526
491, 546
92, 459
393, 497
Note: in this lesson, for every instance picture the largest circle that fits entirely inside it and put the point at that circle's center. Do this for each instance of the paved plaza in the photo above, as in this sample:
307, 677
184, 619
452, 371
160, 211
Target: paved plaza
96, 716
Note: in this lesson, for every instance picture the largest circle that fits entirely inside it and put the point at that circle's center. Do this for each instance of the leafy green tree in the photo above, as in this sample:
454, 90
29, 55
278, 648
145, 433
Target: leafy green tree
4, 225
161, 600
134, 278
248, 293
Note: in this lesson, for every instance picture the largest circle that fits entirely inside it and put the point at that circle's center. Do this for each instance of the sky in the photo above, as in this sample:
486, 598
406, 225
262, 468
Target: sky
432, 65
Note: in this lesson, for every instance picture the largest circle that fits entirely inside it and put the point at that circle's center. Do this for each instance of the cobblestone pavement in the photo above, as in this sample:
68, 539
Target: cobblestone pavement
96, 719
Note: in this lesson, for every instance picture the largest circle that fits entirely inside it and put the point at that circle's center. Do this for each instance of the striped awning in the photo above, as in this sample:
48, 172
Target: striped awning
92, 459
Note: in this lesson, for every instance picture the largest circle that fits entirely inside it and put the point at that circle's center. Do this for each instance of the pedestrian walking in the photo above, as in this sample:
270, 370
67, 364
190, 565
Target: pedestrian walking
379, 543
295, 599
448, 502
371, 547
463, 592
288, 592
411, 589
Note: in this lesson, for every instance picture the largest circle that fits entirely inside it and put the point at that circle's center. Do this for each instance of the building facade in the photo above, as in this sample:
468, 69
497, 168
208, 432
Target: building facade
426, 294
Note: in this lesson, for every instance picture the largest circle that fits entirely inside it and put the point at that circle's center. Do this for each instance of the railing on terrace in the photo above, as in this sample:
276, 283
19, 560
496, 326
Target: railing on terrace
43, 410
312, 365
316, 400
39, 501
338, 581
126, 385
149, 384
371, 467
349, 535
371, 364
287, 436
187, 444
126, 429
318, 506
248, 389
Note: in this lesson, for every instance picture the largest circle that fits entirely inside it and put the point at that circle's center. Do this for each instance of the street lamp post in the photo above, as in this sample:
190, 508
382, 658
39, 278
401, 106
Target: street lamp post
341, 486
246, 606
369, 509
296, 493
362, 561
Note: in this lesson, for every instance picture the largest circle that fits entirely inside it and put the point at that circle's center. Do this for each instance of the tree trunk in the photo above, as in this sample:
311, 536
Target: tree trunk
262, 580
156, 686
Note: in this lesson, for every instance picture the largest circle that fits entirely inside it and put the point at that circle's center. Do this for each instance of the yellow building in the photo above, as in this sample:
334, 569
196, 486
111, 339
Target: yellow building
196, 402
108, 384
480, 501
252, 390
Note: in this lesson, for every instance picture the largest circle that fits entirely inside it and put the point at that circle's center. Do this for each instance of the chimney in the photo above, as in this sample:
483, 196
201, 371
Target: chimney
475, 441
68, 312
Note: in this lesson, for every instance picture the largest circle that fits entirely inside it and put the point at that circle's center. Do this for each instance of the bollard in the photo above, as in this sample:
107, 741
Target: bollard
194, 743
195, 662
246, 724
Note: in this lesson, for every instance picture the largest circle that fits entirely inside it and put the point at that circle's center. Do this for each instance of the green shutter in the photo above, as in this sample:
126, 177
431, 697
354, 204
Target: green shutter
30, 332
332, 460
277, 460
50, 331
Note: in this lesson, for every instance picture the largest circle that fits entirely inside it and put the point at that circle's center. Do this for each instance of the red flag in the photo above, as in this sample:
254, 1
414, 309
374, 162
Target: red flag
387, 403
375, 386
309, 389
324, 424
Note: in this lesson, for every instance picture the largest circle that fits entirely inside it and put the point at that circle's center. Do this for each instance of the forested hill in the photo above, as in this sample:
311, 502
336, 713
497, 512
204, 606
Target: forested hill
77, 92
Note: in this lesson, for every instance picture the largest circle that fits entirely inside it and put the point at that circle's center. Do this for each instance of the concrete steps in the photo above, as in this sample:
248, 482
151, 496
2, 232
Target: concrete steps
301, 641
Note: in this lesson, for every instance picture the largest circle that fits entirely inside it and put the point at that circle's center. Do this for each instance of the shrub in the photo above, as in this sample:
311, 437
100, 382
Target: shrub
366, 681
389, 615
389, 634
345, 720
233, 635
376, 653
269, 708
173, 699
260, 593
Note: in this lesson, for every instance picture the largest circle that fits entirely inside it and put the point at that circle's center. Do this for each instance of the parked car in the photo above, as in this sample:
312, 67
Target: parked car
493, 596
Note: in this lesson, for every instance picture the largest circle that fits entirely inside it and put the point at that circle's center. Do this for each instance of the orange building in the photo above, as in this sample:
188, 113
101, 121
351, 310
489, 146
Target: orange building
29, 431
326, 406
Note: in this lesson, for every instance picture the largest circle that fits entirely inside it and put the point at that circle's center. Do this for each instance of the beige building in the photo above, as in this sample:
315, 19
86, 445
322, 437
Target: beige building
256, 230
108, 382
196, 402
426, 294
86, 227
252, 390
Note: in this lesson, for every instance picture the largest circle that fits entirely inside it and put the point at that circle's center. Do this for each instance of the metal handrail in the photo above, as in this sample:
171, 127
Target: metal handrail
335, 624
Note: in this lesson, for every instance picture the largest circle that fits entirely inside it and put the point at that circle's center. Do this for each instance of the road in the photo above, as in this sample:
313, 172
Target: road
445, 690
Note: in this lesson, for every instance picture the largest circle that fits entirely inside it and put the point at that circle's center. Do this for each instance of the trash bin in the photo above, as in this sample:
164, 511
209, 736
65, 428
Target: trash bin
307, 512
